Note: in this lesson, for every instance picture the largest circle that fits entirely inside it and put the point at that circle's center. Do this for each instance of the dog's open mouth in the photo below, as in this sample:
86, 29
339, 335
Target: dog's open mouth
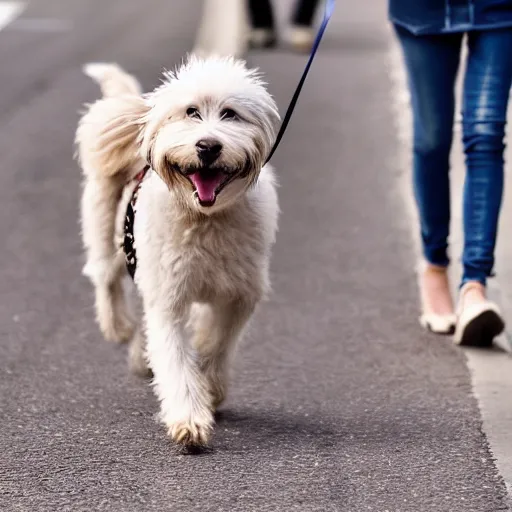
208, 183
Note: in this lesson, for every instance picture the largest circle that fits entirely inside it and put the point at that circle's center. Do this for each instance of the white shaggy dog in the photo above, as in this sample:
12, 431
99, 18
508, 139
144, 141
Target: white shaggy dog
206, 218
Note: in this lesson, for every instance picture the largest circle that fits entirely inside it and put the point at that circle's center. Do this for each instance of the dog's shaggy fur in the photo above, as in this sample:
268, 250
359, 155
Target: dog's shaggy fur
205, 224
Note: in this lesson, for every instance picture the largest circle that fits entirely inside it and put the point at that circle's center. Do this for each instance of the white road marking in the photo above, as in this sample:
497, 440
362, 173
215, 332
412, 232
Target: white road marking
41, 25
10, 11
491, 371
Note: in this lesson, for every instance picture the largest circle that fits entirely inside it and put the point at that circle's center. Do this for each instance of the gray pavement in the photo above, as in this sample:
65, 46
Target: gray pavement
339, 402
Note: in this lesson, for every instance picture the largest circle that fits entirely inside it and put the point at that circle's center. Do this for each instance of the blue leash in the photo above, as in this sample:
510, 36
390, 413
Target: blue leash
329, 8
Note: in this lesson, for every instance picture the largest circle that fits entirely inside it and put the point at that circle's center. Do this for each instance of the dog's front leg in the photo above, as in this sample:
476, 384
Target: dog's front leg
180, 386
216, 334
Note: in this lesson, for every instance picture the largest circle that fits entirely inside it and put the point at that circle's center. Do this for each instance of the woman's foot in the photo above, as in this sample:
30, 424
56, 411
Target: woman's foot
479, 320
438, 313
301, 38
262, 38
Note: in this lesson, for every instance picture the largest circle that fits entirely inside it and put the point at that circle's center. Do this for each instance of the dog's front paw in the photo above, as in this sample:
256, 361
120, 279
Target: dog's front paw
191, 432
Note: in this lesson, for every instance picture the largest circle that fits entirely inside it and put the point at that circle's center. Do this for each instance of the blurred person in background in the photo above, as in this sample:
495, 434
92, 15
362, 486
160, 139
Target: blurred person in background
263, 33
431, 33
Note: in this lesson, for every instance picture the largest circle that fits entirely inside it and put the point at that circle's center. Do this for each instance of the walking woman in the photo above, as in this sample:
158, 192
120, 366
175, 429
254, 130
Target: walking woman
431, 35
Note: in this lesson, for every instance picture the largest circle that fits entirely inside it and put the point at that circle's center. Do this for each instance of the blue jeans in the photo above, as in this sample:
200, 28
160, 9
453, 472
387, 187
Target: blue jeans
432, 62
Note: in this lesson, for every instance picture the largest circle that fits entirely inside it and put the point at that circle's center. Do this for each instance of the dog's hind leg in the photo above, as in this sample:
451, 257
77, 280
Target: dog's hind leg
109, 155
105, 265
112, 311
217, 330
137, 359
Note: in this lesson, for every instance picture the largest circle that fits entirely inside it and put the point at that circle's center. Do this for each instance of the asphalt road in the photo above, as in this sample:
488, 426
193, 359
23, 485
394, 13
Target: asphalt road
339, 402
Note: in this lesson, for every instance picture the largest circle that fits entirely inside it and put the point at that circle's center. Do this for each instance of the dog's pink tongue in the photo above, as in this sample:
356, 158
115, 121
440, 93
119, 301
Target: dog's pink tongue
206, 184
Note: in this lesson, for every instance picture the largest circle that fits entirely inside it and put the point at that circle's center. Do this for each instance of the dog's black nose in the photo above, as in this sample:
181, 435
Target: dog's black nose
208, 150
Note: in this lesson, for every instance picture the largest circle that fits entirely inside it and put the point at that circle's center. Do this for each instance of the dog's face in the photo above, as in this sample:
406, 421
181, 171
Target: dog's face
208, 131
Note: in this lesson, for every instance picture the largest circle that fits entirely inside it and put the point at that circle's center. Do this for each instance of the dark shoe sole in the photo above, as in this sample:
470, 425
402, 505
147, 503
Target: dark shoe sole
481, 331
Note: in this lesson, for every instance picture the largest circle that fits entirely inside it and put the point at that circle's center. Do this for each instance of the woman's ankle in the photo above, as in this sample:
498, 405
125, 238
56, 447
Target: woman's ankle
435, 290
472, 292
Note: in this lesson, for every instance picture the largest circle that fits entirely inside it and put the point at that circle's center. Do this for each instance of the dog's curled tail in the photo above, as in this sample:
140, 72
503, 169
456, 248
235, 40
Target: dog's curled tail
107, 132
112, 80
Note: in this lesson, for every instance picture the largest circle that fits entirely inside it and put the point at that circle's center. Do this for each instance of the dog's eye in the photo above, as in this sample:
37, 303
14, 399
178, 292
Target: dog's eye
193, 112
228, 113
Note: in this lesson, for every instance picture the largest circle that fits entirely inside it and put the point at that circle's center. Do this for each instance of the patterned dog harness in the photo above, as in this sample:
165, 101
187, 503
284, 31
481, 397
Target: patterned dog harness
128, 244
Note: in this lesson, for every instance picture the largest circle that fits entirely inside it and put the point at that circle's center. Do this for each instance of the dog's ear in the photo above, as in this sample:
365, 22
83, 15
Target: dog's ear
108, 134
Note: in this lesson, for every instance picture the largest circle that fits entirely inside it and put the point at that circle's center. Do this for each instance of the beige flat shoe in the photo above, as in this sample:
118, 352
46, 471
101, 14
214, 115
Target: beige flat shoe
479, 323
301, 38
435, 322
438, 324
